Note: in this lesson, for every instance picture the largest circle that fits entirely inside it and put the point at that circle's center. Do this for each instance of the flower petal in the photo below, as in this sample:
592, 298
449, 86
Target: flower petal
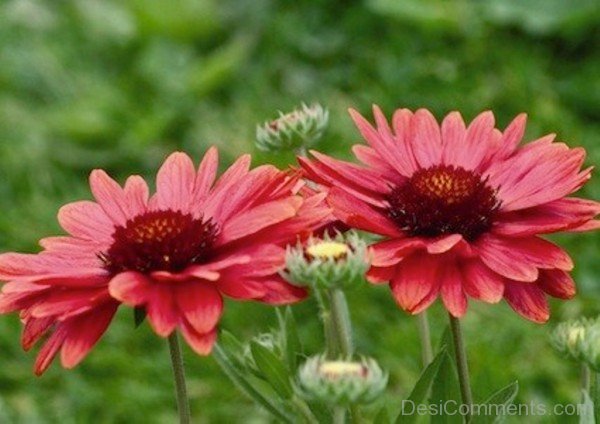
110, 196
452, 292
482, 283
131, 288
175, 183
202, 344
527, 300
415, 285
201, 304
557, 283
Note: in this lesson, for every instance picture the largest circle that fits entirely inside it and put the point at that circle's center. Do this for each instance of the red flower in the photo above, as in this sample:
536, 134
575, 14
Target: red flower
461, 209
175, 254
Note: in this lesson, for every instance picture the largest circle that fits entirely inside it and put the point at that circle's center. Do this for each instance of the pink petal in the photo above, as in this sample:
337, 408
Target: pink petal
110, 196
33, 330
137, 194
359, 215
528, 301
426, 140
393, 153
512, 135
86, 220
163, 313
321, 174
453, 138
557, 283
175, 183
376, 275
258, 218
279, 292
202, 344
84, 332
225, 186
50, 349
390, 252
201, 305
482, 283
520, 258
207, 172
479, 134
372, 159
452, 293
415, 285
131, 288
559, 215
241, 289
60, 302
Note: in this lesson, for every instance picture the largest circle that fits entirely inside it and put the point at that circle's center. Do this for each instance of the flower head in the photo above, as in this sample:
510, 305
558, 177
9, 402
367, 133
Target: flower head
299, 128
327, 262
341, 382
174, 254
461, 208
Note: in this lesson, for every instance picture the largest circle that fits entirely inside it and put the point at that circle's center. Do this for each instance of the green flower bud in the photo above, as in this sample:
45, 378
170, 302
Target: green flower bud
300, 128
340, 382
570, 337
590, 347
327, 263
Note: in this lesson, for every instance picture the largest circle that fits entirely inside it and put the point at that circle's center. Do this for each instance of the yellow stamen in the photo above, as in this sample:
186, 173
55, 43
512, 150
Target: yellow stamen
328, 250
338, 369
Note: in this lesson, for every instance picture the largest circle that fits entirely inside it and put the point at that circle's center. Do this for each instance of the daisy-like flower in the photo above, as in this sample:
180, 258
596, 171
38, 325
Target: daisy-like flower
461, 209
174, 254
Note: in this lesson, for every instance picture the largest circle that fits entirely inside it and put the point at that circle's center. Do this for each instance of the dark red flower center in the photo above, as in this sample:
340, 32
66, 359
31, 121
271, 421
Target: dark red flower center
160, 241
444, 200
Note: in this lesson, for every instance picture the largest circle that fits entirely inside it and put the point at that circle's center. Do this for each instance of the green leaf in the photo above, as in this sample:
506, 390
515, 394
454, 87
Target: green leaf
501, 400
139, 315
595, 395
421, 389
273, 369
445, 388
587, 411
293, 346
246, 387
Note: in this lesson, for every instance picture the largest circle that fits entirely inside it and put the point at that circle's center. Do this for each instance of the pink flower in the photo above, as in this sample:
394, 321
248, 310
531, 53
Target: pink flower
175, 254
461, 209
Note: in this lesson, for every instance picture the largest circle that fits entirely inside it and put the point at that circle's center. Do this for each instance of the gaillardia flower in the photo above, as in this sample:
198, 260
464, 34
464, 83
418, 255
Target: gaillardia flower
173, 254
461, 209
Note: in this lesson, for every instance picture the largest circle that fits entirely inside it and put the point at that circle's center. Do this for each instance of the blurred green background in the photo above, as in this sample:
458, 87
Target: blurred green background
120, 84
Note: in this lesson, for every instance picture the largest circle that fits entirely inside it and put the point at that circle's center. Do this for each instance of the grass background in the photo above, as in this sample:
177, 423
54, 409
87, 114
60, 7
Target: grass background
120, 84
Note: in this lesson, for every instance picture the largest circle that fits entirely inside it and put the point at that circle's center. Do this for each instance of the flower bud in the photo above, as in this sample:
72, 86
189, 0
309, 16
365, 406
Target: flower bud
300, 128
570, 337
340, 382
327, 263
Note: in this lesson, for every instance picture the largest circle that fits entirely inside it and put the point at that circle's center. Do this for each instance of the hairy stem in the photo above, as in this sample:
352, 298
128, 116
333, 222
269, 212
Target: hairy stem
341, 322
425, 336
183, 405
461, 365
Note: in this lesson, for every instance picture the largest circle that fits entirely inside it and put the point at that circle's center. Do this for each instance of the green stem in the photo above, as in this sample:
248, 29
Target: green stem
341, 322
461, 365
585, 377
425, 336
183, 405
339, 415
328, 328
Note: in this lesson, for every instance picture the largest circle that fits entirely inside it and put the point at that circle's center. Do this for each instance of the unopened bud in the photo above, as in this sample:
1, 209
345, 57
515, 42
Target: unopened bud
300, 128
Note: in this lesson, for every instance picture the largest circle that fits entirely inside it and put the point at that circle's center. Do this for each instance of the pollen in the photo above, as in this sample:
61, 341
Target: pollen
159, 241
444, 200
328, 250
334, 370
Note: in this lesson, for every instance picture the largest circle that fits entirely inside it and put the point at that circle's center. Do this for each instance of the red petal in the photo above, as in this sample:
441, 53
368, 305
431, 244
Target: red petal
201, 305
557, 283
415, 285
527, 300
202, 344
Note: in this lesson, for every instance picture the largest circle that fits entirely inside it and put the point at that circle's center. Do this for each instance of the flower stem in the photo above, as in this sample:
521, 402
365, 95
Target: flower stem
341, 322
461, 365
339, 415
425, 336
328, 329
183, 405
585, 378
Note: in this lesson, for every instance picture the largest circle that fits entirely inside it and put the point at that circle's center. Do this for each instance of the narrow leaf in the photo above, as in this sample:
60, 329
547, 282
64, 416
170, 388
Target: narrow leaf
246, 387
498, 405
273, 369
293, 346
420, 391
382, 417
446, 391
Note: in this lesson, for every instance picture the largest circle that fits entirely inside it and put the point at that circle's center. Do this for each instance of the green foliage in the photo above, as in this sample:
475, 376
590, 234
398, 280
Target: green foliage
120, 84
